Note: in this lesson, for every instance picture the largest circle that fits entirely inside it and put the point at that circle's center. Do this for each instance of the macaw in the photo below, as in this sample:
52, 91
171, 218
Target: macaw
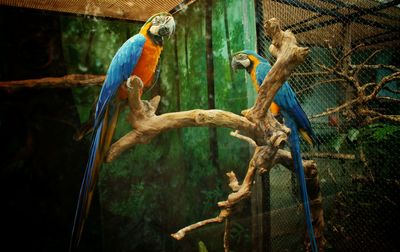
138, 56
287, 104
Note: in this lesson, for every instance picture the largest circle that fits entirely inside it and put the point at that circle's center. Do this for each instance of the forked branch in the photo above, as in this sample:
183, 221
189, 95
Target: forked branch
259, 128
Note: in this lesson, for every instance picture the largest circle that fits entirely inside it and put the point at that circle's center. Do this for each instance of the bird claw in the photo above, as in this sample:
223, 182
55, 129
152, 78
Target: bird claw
137, 82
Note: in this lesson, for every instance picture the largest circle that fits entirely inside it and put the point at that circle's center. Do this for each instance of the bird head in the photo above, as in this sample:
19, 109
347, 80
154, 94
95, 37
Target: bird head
159, 26
246, 59
240, 60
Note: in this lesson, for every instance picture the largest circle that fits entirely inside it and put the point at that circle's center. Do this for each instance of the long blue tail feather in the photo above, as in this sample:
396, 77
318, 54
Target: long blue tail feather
86, 187
294, 142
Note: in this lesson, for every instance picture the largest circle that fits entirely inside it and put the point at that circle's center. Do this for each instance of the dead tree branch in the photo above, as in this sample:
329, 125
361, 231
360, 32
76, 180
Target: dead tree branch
288, 56
363, 93
71, 80
268, 136
260, 156
259, 128
329, 155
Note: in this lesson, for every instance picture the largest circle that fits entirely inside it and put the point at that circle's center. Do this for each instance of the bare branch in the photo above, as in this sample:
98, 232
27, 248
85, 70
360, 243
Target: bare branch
233, 181
244, 138
332, 53
181, 233
259, 128
347, 54
382, 83
395, 91
320, 83
361, 66
377, 66
329, 155
336, 109
388, 99
342, 74
72, 80
373, 116
288, 57
310, 74
145, 130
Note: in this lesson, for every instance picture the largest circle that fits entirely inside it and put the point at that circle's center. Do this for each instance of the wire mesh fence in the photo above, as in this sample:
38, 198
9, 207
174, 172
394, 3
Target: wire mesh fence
349, 88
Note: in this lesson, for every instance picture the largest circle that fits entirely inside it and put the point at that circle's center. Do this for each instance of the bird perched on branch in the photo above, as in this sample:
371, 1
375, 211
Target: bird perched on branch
138, 56
285, 103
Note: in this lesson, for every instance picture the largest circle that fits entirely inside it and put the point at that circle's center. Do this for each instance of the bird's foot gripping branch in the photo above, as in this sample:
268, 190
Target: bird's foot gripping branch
258, 127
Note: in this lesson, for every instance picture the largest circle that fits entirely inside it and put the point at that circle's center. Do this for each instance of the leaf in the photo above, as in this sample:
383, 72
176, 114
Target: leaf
202, 247
338, 142
353, 134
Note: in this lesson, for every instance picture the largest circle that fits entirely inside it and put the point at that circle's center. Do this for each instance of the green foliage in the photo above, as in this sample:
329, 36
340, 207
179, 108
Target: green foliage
338, 142
342, 140
353, 134
381, 132
381, 144
369, 205
202, 247
89, 44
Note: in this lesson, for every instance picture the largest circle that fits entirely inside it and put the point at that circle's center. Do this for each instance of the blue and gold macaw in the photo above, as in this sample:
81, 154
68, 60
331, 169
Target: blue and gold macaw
287, 104
138, 56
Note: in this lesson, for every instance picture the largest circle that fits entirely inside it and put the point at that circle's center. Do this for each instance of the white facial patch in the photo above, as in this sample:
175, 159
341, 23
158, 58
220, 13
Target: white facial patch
154, 29
245, 63
161, 22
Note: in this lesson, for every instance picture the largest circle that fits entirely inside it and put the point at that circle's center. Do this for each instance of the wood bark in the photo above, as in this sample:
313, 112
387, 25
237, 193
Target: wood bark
258, 127
67, 81
359, 95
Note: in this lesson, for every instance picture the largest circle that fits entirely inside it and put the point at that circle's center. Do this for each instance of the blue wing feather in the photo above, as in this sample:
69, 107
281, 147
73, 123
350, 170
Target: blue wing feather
121, 67
294, 142
287, 100
295, 118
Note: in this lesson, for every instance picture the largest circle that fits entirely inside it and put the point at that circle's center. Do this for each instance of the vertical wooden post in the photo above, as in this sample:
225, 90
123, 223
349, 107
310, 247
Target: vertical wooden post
346, 34
261, 15
260, 200
256, 215
210, 83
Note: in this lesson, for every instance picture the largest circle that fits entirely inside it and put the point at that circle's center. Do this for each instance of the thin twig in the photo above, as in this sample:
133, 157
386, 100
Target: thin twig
373, 116
377, 66
244, 138
395, 91
388, 99
383, 82
294, 75
361, 66
328, 155
334, 110
320, 83
347, 54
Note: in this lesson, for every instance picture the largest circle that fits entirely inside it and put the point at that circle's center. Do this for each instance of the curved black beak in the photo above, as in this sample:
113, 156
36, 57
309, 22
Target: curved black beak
164, 31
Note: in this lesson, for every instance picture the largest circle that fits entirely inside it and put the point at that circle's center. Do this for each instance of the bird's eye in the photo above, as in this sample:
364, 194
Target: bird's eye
242, 56
156, 20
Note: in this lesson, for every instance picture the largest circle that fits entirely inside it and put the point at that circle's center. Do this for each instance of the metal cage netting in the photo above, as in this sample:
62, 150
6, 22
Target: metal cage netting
349, 88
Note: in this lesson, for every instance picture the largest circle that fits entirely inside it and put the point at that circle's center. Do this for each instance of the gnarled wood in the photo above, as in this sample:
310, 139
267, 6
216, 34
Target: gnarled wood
259, 128
362, 94
67, 81
145, 129
288, 56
